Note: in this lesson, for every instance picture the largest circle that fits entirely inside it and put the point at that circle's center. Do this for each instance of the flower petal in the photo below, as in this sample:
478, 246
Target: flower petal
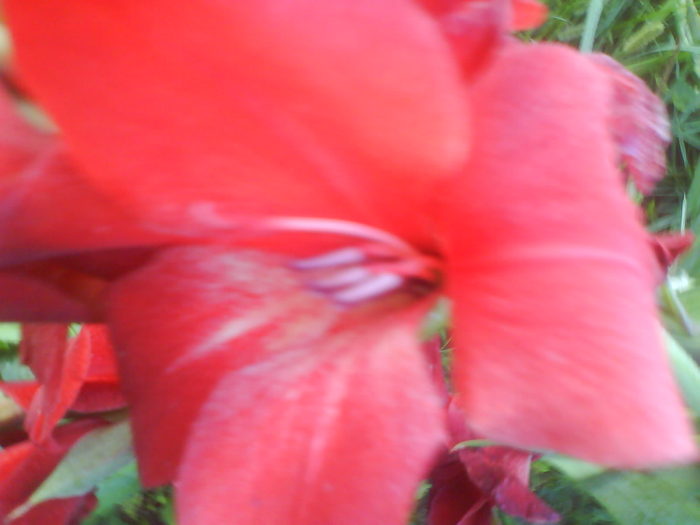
639, 123
50, 209
100, 390
99, 397
46, 206
295, 411
41, 348
453, 495
21, 392
103, 362
283, 129
61, 367
552, 275
669, 246
229, 297
19, 142
25, 465
339, 428
528, 14
48, 292
504, 474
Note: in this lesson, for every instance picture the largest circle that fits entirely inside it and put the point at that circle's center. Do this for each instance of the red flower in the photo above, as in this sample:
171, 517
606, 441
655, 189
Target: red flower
264, 198
467, 483
77, 375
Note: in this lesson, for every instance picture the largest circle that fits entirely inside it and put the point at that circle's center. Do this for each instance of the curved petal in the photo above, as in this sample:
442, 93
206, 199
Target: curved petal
669, 246
639, 122
504, 474
100, 390
20, 392
553, 277
103, 361
476, 30
25, 465
194, 111
99, 397
295, 410
50, 209
46, 206
61, 367
453, 495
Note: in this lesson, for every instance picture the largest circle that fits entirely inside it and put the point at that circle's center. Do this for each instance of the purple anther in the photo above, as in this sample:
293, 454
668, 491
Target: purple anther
341, 278
342, 257
369, 288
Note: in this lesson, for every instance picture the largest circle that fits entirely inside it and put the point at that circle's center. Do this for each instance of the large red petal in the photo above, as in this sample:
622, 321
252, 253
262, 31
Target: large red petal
193, 110
328, 433
552, 275
292, 410
170, 366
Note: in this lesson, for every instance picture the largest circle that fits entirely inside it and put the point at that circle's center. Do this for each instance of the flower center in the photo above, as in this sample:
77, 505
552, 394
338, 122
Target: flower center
380, 265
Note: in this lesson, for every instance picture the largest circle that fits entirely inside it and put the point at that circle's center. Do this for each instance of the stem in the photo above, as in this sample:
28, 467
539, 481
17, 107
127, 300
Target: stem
595, 8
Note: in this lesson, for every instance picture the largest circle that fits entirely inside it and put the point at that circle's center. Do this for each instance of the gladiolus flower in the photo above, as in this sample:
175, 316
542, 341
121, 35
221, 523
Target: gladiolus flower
77, 374
263, 199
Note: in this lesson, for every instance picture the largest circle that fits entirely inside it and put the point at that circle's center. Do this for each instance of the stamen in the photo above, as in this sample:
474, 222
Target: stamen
335, 226
348, 277
341, 257
369, 289
383, 263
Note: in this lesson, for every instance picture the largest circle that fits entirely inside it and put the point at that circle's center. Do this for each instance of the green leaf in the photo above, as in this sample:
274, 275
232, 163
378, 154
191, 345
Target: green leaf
686, 371
14, 371
112, 493
10, 332
653, 498
473, 443
92, 459
575, 469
